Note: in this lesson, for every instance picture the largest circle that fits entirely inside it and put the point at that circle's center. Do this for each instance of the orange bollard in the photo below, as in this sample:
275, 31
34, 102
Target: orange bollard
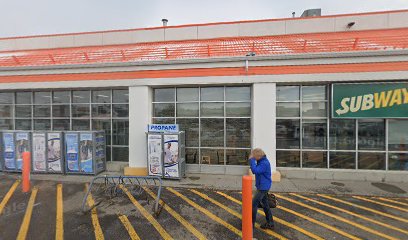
26, 171
247, 208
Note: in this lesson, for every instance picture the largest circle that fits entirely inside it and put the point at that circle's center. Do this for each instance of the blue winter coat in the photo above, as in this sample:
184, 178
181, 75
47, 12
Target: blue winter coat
262, 171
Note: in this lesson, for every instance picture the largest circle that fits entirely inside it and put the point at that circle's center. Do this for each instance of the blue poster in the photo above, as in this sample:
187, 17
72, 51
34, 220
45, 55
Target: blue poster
71, 143
8, 153
86, 151
22, 145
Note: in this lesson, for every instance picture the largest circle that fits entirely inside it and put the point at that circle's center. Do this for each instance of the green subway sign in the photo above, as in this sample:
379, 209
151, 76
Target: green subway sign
373, 100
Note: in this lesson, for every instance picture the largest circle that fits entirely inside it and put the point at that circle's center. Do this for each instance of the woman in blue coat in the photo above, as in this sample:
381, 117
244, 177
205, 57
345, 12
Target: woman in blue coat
261, 167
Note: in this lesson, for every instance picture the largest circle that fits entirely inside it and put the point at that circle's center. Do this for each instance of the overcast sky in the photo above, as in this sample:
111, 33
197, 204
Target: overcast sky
32, 17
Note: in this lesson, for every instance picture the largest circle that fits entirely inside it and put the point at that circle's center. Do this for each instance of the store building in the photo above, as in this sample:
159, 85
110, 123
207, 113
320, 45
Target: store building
325, 97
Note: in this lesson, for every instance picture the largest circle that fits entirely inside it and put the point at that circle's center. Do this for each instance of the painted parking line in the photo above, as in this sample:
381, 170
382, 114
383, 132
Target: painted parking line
364, 208
236, 214
165, 235
59, 226
206, 212
94, 215
367, 229
126, 223
8, 195
392, 201
380, 203
353, 214
22, 234
177, 216
278, 220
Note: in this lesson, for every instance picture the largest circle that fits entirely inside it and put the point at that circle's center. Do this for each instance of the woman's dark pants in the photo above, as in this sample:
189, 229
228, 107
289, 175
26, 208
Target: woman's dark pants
261, 196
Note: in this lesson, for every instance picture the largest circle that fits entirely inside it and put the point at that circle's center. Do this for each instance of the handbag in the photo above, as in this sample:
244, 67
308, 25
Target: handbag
272, 201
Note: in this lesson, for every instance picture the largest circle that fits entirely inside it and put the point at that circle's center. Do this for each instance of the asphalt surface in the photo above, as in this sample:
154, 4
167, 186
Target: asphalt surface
189, 214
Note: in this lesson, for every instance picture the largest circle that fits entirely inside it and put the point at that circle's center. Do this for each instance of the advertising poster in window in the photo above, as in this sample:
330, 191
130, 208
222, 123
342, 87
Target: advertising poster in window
100, 151
154, 154
171, 156
86, 152
39, 152
71, 141
22, 145
8, 153
54, 152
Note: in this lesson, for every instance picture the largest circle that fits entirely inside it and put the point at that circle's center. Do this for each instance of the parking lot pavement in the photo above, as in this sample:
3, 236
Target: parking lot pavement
52, 210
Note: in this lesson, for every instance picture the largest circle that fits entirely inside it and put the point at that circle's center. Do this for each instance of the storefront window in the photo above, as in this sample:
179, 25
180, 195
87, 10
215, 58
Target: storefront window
288, 158
371, 160
314, 159
371, 134
288, 93
285, 109
216, 120
398, 161
287, 134
342, 134
343, 160
398, 135
314, 134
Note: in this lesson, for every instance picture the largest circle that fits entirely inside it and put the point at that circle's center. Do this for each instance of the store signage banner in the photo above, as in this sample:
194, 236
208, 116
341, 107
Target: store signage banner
375, 100
163, 128
86, 150
22, 145
8, 152
71, 142
39, 153
100, 151
54, 152
154, 154
171, 156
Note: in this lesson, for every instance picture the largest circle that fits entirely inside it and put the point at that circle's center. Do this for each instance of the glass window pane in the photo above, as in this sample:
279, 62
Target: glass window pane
238, 94
343, 134
238, 109
288, 158
6, 111
120, 96
120, 154
187, 109
42, 124
102, 96
371, 134
397, 135
104, 125
61, 97
42, 97
398, 161
120, 110
120, 132
6, 98
192, 155
61, 124
23, 124
238, 156
164, 95
314, 159
287, 93
191, 128
212, 109
287, 134
238, 132
80, 125
314, 109
212, 94
313, 93
23, 111
287, 109
6, 124
187, 94
163, 110
370, 160
80, 110
23, 98
60, 111
343, 160
212, 156
163, 120
314, 134
81, 96
101, 110
212, 132
42, 111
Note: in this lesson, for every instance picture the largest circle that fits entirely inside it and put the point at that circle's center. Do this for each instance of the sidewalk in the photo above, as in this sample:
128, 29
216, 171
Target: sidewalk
230, 182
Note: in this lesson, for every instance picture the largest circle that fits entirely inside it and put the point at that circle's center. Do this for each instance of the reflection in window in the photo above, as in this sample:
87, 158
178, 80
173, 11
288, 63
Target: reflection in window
80, 96
287, 134
101, 110
212, 109
212, 132
120, 110
102, 96
398, 161
6, 98
397, 135
42, 111
343, 160
287, 109
371, 160
238, 132
61, 97
238, 94
343, 134
287, 158
42, 124
23, 98
192, 155
288, 93
120, 96
60, 111
212, 156
23, 124
42, 97
212, 94
313, 93
187, 94
314, 159
80, 125
163, 110
237, 156
6, 124
164, 95
187, 110
238, 109
314, 134
61, 124
80, 111
23, 111
191, 129
314, 109
6, 111
371, 134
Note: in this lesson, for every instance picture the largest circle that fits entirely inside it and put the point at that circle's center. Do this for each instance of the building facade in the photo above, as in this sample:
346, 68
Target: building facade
231, 87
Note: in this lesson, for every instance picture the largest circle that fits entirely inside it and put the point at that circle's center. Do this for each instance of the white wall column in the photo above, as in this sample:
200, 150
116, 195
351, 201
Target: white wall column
140, 111
264, 121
